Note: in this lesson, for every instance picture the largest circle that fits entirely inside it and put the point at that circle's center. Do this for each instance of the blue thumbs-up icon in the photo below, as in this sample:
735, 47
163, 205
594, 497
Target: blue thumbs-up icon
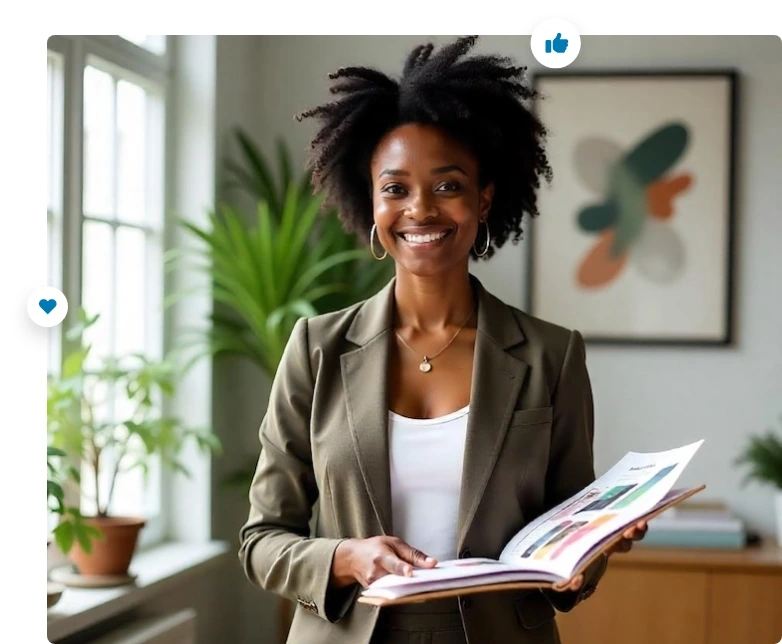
559, 45
555, 43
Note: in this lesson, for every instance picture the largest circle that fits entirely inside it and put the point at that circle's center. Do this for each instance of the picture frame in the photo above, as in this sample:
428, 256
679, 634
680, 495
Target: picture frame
635, 240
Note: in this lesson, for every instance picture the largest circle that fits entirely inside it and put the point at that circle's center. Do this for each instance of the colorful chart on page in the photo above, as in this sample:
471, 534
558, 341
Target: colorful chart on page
582, 532
576, 505
555, 530
644, 488
545, 550
608, 498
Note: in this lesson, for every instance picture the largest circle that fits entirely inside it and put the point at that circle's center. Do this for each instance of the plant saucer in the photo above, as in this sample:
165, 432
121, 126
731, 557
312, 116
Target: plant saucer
69, 576
53, 593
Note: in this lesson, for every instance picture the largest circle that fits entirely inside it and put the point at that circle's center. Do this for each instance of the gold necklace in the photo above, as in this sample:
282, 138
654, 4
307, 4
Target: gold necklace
426, 365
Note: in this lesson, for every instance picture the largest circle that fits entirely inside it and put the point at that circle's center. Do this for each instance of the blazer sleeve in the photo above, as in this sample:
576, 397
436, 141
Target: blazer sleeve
276, 550
571, 463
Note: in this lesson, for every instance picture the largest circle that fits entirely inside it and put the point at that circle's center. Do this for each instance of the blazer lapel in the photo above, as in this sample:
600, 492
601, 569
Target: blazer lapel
365, 382
497, 378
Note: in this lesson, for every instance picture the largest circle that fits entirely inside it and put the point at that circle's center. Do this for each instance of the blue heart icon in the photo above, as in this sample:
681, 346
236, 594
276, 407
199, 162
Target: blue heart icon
47, 305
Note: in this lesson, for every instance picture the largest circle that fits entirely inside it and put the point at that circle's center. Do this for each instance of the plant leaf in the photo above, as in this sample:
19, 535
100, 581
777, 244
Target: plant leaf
314, 272
55, 490
284, 160
63, 536
259, 167
763, 456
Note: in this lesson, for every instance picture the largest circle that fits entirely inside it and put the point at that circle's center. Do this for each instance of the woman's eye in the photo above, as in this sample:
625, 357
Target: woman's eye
449, 186
393, 188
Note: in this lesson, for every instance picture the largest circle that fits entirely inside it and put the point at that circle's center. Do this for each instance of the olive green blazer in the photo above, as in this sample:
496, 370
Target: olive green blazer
324, 437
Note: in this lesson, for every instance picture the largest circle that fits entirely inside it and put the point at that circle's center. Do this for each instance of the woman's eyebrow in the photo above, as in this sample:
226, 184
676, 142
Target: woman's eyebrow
404, 173
448, 168
393, 172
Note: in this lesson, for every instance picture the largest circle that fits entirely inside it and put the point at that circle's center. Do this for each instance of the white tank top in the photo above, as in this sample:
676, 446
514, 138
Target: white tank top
426, 457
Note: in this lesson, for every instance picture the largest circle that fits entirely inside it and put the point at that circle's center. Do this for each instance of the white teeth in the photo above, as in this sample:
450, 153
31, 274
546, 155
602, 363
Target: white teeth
423, 239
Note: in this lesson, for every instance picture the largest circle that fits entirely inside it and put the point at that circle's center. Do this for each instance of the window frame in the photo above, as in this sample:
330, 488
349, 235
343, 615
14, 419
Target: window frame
139, 65
55, 170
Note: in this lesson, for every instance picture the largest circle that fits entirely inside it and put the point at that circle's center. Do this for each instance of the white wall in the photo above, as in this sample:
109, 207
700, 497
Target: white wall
646, 398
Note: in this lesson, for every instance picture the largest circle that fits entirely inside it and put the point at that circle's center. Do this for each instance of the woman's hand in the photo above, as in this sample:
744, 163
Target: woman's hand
625, 544
573, 584
366, 560
634, 533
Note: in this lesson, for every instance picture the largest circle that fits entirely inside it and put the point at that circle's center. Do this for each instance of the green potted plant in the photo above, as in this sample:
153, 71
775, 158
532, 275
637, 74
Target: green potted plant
71, 525
289, 259
55, 502
763, 455
104, 543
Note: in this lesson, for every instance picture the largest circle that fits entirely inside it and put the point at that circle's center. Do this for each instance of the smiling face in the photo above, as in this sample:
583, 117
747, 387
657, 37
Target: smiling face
427, 200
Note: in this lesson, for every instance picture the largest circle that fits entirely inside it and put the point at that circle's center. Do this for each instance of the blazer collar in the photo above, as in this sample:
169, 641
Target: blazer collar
497, 379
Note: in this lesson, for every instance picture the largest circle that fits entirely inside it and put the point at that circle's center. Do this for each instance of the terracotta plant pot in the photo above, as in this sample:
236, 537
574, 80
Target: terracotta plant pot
112, 553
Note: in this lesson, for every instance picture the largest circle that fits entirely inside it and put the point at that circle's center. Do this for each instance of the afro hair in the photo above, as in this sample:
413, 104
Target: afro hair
478, 100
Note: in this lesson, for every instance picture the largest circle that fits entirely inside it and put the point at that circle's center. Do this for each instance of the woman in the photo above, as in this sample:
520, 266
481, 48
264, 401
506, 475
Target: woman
431, 420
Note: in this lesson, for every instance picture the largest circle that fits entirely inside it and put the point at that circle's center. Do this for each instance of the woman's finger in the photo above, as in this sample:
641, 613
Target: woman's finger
574, 584
412, 555
397, 566
623, 545
636, 532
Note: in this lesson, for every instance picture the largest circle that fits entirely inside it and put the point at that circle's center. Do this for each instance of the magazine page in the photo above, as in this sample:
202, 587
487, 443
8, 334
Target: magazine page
451, 573
672, 496
551, 547
478, 571
558, 540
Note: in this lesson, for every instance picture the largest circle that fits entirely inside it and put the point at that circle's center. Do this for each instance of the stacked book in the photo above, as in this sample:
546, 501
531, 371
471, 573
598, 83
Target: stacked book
697, 525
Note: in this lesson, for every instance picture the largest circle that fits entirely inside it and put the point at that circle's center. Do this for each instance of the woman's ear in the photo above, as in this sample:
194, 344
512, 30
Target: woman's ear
486, 196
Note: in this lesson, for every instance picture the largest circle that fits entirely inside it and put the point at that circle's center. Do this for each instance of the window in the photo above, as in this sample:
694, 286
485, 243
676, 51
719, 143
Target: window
155, 44
54, 167
106, 228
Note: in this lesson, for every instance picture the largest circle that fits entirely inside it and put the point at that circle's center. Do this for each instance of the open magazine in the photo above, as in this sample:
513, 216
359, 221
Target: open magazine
559, 544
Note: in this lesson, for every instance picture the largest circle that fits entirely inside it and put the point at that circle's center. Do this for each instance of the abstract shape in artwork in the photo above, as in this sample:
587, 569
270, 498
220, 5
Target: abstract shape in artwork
631, 221
660, 195
659, 252
594, 157
600, 265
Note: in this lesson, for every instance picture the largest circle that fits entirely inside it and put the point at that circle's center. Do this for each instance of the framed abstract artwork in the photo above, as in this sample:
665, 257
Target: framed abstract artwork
634, 243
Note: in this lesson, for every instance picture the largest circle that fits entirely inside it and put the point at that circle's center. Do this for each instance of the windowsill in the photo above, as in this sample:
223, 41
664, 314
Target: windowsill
157, 569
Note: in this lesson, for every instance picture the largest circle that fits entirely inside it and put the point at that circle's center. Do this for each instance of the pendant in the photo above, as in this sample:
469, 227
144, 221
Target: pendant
425, 366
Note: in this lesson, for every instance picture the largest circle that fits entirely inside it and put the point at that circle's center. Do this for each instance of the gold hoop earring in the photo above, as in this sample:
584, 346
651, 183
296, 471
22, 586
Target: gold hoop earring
372, 244
488, 241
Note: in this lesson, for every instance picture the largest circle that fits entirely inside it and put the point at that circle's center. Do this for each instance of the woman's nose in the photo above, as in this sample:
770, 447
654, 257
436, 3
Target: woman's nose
421, 208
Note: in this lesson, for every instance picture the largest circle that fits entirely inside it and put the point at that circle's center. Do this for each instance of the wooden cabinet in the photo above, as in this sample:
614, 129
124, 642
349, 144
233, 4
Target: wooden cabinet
667, 596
